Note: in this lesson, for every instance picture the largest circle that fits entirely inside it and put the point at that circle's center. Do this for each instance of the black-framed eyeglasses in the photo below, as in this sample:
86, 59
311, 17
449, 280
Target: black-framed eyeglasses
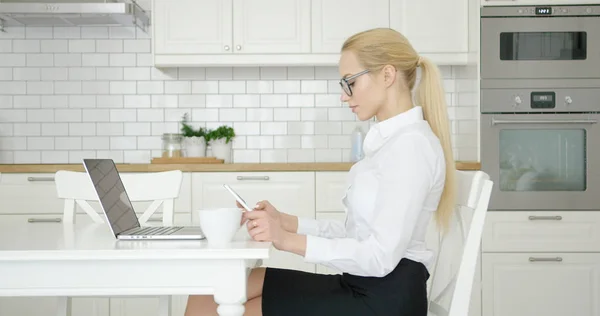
346, 84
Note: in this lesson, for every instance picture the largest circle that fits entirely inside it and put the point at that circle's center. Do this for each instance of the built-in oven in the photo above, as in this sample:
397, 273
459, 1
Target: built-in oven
540, 106
541, 147
543, 41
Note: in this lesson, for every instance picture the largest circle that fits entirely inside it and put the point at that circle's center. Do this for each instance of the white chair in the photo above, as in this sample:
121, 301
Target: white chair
162, 188
450, 293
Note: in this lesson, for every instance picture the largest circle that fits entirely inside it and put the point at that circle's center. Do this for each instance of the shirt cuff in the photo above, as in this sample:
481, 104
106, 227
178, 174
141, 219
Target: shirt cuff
316, 249
308, 226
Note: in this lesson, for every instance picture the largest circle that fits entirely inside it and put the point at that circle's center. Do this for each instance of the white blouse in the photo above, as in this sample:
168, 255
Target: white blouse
390, 198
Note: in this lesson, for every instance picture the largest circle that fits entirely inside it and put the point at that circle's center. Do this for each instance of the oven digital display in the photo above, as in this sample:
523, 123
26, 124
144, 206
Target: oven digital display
543, 11
543, 100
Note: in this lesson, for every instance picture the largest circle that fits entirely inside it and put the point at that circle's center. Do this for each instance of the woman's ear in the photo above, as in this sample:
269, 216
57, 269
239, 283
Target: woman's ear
389, 75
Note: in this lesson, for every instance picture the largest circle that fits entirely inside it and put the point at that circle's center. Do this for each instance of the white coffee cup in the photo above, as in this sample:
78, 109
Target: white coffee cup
219, 225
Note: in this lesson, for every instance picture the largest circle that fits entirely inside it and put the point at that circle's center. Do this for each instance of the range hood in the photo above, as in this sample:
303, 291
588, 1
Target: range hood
72, 13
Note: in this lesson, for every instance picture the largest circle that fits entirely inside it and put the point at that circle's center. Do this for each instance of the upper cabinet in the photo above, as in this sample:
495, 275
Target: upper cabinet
433, 26
333, 21
302, 32
183, 27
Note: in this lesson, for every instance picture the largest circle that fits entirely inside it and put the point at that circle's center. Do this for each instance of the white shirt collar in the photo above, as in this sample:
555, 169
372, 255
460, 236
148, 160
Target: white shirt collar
381, 132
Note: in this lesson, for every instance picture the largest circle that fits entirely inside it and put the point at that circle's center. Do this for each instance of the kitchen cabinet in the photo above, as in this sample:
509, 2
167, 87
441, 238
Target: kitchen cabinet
549, 284
434, 26
187, 33
289, 192
541, 263
333, 21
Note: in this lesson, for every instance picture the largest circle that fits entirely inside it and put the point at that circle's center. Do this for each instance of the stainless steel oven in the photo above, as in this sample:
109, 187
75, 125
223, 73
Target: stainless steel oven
543, 152
540, 106
540, 42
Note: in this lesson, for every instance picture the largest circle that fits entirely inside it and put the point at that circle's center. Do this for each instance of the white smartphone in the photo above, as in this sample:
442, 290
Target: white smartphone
237, 197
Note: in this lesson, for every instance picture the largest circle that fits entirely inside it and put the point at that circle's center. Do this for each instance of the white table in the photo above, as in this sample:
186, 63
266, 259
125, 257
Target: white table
46, 259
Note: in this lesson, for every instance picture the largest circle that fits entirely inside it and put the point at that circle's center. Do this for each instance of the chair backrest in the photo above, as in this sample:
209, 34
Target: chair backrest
162, 188
452, 296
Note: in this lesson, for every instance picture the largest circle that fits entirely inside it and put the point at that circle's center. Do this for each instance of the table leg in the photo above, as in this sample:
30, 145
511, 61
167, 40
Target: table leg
231, 299
64, 306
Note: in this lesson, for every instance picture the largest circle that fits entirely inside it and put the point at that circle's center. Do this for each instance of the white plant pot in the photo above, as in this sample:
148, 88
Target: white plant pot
221, 150
194, 146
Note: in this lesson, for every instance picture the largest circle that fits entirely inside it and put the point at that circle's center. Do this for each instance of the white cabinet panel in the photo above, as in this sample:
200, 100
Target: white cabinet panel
289, 192
433, 26
525, 284
192, 26
29, 193
568, 231
333, 21
271, 26
330, 189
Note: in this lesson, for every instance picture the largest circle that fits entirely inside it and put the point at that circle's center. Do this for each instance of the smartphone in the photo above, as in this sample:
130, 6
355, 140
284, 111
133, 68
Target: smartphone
237, 197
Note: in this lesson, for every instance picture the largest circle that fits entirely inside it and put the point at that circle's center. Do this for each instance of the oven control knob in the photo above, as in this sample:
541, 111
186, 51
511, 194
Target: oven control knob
568, 100
588, 10
518, 100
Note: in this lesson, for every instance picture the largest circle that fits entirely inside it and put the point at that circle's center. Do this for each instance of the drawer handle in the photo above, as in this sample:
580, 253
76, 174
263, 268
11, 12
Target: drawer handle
44, 220
534, 259
154, 220
548, 218
40, 178
253, 178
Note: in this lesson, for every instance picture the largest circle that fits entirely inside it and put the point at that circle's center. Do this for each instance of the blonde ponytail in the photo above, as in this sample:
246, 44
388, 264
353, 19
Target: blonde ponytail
430, 95
378, 47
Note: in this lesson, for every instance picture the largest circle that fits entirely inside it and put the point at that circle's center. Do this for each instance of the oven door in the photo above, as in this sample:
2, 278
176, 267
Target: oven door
542, 161
534, 47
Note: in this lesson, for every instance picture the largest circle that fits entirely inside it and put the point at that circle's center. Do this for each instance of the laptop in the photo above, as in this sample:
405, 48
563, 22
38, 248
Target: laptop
119, 212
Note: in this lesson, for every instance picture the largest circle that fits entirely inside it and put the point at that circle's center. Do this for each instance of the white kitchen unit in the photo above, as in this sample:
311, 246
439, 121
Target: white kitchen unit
541, 263
188, 33
536, 2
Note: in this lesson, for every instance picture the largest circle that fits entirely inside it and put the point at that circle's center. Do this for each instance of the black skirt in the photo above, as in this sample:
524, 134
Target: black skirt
298, 293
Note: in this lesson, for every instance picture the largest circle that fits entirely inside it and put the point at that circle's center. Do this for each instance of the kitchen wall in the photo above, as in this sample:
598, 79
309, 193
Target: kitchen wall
69, 93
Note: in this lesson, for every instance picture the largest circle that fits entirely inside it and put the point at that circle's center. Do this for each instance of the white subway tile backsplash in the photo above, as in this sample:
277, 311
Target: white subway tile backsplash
66, 32
59, 129
68, 60
26, 46
273, 100
39, 32
245, 73
26, 74
72, 92
54, 46
6, 74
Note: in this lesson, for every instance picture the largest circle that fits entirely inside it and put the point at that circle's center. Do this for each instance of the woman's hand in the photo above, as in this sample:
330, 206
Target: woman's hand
265, 224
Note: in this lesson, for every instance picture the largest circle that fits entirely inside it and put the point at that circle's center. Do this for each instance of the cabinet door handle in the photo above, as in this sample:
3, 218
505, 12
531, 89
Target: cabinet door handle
547, 218
40, 178
44, 220
253, 178
535, 259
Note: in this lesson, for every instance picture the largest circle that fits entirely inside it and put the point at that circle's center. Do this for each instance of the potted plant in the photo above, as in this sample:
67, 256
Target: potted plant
220, 141
194, 140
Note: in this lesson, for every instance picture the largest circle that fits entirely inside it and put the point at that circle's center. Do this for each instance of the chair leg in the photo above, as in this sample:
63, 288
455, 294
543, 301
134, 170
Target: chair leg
64, 306
164, 305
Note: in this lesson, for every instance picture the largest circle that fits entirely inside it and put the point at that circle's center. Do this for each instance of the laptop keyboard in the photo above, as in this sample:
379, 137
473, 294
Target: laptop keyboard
155, 231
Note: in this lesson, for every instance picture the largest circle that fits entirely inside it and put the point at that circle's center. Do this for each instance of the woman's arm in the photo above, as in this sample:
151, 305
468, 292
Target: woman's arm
308, 226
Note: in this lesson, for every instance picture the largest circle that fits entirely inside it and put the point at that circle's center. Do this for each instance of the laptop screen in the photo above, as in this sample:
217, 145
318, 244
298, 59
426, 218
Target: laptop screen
111, 193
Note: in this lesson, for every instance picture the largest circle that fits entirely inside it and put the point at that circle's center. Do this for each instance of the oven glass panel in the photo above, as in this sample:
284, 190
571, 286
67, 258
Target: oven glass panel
543, 46
542, 160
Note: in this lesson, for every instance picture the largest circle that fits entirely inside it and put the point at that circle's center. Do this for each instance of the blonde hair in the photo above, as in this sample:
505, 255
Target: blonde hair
379, 47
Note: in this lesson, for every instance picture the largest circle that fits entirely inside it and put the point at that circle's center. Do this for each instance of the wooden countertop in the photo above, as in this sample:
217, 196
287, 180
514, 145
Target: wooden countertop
233, 167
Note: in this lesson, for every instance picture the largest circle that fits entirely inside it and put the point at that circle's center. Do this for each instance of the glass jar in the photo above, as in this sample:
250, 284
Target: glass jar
171, 145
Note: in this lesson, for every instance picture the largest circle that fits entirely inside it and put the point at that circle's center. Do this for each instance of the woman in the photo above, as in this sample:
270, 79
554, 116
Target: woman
405, 178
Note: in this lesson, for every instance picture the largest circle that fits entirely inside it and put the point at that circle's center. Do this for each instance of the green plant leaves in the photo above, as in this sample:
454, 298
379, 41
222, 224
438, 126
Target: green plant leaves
223, 131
